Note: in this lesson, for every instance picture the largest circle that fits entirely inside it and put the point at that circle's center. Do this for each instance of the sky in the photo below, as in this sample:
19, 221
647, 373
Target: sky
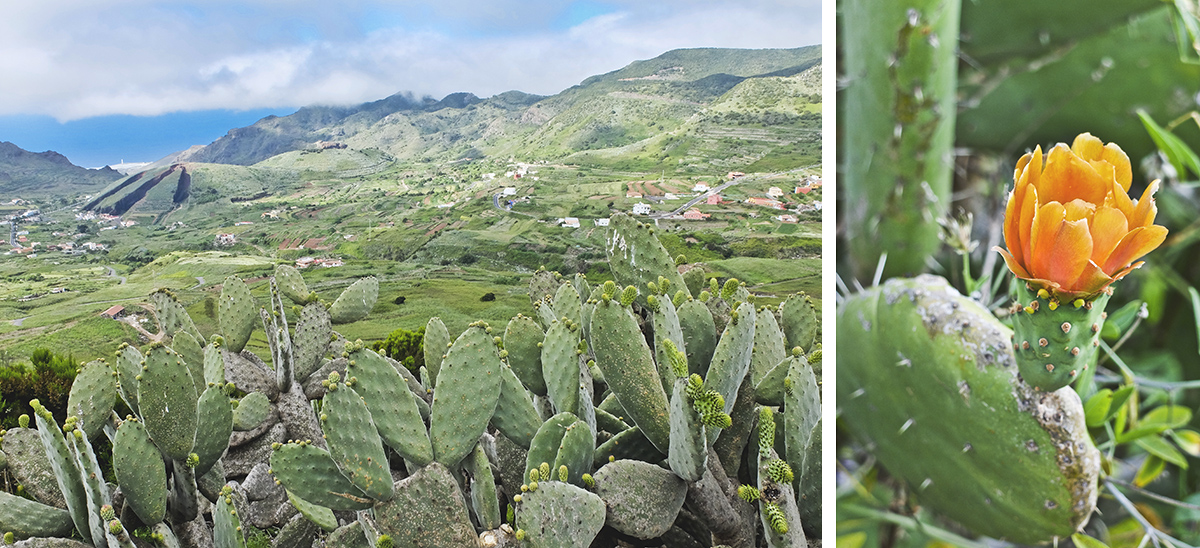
103, 81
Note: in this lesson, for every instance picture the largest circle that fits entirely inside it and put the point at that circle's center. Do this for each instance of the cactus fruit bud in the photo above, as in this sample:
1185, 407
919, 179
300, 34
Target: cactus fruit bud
652, 302
534, 475
717, 420
107, 513
516, 498
612, 458
695, 387
730, 287
384, 541
766, 429
609, 290
562, 473
23, 421
653, 287
525, 488
114, 527
713, 286
680, 259
510, 514
533, 485
779, 471
776, 518
679, 298
748, 493
797, 351
628, 295
678, 359
193, 460
519, 534
544, 469
588, 481
705, 296
10, 538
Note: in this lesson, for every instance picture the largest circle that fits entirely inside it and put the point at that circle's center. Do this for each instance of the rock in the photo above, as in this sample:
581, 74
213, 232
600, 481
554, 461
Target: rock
30, 467
249, 374
239, 461
194, 534
260, 485
296, 413
47, 542
298, 532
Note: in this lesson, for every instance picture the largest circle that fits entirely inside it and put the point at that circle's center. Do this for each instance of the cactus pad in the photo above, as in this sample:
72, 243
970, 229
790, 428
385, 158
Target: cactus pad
428, 510
523, 340
643, 499
559, 515
311, 474
291, 284
355, 302
26, 518
140, 471
237, 313
933, 386
167, 398
624, 357
92, 396
436, 342
392, 404
1056, 344
466, 396
354, 442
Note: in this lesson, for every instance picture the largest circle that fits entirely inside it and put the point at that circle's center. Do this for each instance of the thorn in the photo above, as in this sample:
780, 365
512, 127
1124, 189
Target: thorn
1025, 345
1095, 328
1066, 327
1050, 367
1042, 342
907, 424
1075, 351
1073, 373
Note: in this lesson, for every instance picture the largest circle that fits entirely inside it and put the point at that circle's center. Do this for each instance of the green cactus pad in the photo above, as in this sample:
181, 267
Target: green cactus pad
927, 377
251, 411
193, 355
568, 304
624, 357
129, 366
800, 323
320, 516
435, 343
642, 499
769, 347
807, 486
291, 284
167, 398
355, 302
140, 472
693, 280
354, 442
629, 444
94, 487
172, 316
699, 335
227, 524
485, 503
576, 452
311, 340
467, 391
541, 285
777, 508
560, 367
30, 465
559, 515
636, 256
237, 313
545, 443
93, 395
27, 518
66, 470
311, 474
214, 424
582, 287
428, 510
731, 360
214, 365
522, 340
688, 454
665, 322
516, 416
609, 422
1056, 344
392, 404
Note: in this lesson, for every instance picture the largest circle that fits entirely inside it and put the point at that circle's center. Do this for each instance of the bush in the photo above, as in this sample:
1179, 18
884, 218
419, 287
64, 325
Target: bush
404, 346
399, 300
488, 297
47, 378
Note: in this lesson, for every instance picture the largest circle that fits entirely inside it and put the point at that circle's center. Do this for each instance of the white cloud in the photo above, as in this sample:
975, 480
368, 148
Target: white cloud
77, 58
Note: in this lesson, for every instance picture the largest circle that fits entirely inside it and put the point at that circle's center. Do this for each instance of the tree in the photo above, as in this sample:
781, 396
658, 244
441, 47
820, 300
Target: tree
404, 346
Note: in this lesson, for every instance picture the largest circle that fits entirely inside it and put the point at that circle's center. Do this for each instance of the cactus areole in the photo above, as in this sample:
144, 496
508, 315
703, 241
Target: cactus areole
1071, 230
927, 378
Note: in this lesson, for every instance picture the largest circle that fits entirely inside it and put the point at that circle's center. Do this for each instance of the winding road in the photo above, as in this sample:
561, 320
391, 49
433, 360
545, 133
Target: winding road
112, 273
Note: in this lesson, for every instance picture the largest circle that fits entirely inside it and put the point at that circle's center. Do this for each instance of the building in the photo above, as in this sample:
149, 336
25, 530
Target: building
224, 240
713, 199
803, 189
510, 191
601, 222
735, 175
694, 214
641, 209
570, 222
113, 313
765, 202
700, 187
788, 218
775, 192
632, 194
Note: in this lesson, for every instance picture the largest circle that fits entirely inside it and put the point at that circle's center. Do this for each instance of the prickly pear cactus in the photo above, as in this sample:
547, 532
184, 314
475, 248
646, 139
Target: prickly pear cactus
355, 302
928, 378
636, 256
237, 313
1056, 343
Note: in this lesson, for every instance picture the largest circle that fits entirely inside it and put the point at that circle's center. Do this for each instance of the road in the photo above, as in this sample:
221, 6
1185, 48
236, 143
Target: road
112, 273
496, 203
696, 200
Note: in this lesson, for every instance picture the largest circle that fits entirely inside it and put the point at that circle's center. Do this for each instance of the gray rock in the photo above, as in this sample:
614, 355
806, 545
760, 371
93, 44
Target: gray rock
30, 467
194, 534
240, 460
260, 485
296, 413
312, 385
241, 438
48, 542
262, 513
249, 374
298, 532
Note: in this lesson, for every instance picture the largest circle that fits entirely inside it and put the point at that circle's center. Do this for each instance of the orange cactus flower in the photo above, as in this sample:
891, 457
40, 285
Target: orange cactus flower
1070, 226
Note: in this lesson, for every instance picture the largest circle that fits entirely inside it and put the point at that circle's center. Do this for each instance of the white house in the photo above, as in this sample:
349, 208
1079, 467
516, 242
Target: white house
601, 222
510, 191
570, 222
700, 187
641, 209
775, 192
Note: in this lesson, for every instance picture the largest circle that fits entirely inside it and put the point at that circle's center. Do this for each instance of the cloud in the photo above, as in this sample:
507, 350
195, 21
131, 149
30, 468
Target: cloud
77, 58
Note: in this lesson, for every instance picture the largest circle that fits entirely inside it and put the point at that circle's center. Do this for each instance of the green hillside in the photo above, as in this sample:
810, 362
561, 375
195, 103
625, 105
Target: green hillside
25, 174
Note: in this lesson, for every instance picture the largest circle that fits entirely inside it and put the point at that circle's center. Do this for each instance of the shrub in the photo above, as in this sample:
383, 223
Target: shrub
488, 297
47, 378
399, 300
404, 346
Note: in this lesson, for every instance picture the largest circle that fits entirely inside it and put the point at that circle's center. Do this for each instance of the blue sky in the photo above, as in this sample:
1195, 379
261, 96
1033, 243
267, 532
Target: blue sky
108, 80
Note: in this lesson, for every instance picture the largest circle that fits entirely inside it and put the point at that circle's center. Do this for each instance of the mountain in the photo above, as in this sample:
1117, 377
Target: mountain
639, 103
24, 173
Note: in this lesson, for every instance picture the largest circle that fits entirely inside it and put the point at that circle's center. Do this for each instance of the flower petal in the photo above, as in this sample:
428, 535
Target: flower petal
1145, 210
1013, 265
1068, 177
1120, 161
1087, 146
1078, 209
1138, 242
1118, 198
1090, 281
1060, 248
1108, 227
